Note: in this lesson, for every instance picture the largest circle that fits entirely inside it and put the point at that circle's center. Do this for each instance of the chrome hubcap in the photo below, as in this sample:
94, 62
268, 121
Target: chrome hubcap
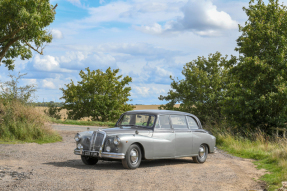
201, 153
134, 156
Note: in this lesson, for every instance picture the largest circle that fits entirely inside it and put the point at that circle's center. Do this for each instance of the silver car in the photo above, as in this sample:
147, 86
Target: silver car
147, 134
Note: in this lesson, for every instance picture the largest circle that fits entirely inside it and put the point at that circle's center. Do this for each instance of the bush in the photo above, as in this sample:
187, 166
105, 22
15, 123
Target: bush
20, 122
53, 111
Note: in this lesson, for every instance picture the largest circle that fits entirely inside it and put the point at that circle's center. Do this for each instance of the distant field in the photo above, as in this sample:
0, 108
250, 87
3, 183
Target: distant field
64, 111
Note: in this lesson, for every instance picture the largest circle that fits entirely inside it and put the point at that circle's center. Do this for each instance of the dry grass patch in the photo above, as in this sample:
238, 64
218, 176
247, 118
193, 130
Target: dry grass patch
22, 123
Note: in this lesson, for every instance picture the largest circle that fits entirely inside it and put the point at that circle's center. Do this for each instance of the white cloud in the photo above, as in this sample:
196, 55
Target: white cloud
47, 63
132, 12
143, 91
30, 81
200, 17
153, 29
80, 60
102, 1
72, 56
148, 90
75, 2
109, 12
57, 34
48, 84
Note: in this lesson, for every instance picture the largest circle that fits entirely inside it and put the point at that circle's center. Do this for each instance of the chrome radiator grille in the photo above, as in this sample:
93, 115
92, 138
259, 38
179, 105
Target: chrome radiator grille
97, 140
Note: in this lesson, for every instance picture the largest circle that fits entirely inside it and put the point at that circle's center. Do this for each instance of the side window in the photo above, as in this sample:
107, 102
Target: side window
191, 123
178, 122
164, 122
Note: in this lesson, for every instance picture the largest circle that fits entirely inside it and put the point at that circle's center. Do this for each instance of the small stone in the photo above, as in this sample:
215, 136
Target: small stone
20, 168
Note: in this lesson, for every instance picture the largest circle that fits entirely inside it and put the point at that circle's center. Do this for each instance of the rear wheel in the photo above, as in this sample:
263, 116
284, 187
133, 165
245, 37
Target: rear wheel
202, 154
133, 157
89, 160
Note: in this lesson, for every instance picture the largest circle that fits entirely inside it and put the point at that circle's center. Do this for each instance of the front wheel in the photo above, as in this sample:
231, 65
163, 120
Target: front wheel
202, 154
89, 160
133, 157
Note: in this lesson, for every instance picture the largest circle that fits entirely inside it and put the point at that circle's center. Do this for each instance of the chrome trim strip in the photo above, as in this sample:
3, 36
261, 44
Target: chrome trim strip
103, 141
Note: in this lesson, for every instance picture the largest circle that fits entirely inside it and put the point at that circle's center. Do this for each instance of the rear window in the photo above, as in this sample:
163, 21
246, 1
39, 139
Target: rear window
191, 123
178, 122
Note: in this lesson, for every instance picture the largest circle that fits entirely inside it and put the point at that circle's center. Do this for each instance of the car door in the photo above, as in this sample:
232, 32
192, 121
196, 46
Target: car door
164, 138
183, 135
196, 132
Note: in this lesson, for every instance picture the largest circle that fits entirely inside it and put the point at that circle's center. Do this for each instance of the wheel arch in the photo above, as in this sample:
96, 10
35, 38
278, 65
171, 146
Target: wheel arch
141, 147
208, 147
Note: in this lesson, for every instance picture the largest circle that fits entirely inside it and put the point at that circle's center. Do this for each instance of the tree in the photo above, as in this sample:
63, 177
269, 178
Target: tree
202, 90
257, 95
10, 90
101, 95
23, 27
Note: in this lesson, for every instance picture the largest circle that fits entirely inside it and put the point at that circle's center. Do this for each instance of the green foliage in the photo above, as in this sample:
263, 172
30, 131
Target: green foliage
20, 122
23, 27
83, 123
53, 111
202, 90
11, 91
257, 94
101, 95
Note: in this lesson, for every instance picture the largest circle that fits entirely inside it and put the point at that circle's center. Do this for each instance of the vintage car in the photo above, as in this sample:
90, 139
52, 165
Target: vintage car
147, 134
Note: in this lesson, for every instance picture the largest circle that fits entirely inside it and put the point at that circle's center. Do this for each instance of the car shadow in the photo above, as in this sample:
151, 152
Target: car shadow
117, 165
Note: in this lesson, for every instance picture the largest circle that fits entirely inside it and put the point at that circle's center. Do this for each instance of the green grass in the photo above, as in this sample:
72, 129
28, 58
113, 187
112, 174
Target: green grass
269, 155
21, 123
84, 123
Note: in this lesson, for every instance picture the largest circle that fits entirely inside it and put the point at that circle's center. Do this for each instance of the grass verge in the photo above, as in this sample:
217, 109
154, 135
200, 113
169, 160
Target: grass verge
20, 123
269, 155
84, 123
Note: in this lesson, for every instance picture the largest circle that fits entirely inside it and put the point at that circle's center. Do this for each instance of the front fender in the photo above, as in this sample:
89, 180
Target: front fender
128, 140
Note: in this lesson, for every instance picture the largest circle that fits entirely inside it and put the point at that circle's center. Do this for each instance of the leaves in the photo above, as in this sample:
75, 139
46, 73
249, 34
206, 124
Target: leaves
102, 95
203, 88
257, 94
23, 27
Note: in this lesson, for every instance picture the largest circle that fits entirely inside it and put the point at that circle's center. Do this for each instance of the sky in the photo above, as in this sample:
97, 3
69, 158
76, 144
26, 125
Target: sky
148, 40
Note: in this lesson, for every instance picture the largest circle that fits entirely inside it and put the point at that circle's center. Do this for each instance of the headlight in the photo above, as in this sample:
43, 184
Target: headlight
79, 146
77, 137
117, 140
108, 148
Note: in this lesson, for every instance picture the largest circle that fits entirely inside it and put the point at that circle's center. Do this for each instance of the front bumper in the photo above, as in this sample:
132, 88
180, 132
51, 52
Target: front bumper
99, 154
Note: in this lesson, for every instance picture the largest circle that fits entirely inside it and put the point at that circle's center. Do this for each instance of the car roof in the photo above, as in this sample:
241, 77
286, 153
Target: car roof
158, 112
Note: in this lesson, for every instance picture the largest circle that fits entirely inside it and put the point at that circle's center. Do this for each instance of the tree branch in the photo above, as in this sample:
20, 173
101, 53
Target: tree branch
6, 47
27, 43
55, 7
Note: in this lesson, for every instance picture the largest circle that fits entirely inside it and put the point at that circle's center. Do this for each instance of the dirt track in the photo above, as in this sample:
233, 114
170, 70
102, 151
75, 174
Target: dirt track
55, 167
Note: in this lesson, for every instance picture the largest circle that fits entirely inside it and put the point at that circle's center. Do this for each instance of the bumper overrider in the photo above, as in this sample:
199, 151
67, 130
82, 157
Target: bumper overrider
99, 154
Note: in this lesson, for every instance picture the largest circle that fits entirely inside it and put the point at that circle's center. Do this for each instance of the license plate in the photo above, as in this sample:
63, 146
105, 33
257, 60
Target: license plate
94, 154
87, 153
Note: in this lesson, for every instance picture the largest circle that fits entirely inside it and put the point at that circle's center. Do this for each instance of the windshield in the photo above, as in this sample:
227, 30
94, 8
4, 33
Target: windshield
137, 120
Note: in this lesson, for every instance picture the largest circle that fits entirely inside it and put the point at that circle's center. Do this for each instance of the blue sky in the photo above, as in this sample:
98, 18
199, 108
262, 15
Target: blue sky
149, 40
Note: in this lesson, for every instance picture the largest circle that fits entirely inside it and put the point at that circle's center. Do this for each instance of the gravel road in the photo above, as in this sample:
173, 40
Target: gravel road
54, 167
